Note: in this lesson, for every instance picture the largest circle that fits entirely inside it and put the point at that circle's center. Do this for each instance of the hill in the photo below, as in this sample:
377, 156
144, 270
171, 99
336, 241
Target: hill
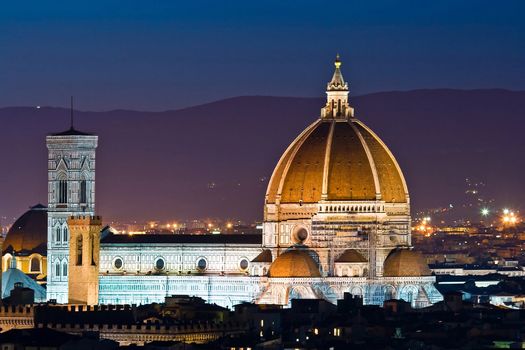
214, 160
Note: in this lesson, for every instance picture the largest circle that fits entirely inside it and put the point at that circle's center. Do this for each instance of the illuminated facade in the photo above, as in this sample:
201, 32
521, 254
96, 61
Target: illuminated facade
71, 191
336, 220
337, 216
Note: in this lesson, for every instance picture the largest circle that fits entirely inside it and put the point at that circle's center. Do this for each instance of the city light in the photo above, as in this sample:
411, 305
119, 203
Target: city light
485, 211
509, 217
425, 227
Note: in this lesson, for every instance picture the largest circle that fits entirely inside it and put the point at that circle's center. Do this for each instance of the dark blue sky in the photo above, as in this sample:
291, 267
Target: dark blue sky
157, 55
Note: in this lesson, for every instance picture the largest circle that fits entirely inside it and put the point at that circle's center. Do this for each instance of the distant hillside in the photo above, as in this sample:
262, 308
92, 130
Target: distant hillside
214, 160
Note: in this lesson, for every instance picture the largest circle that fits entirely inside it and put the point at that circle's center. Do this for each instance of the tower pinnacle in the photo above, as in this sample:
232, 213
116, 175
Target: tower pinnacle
337, 96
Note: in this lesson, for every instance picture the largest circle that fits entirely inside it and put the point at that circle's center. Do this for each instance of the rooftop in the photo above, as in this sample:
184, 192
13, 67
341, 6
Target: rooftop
112, 238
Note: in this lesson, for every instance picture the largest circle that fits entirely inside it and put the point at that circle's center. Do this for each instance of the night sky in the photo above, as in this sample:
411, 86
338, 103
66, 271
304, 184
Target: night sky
117, 57
157, 55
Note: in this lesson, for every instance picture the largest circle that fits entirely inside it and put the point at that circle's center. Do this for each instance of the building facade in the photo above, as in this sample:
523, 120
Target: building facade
71, 191
337, 216
336, 220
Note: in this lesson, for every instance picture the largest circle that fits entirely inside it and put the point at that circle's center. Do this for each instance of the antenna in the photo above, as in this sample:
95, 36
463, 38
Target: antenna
71, 112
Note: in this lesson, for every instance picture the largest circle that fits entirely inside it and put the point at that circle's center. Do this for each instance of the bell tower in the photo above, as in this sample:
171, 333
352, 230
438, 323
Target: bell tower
71, 191
84, 259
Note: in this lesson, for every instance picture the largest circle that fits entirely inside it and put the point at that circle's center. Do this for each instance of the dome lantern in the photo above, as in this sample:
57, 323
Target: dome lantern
337, 106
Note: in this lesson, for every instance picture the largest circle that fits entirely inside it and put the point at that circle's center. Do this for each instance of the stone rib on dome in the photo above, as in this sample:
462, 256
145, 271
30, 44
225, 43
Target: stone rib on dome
360, 167
294, 263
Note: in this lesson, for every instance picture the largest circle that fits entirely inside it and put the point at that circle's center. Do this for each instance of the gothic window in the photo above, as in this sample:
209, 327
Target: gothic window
35, 264
64, 268
83, 191
79, 250
58, 234
57, 269
62, 192
64, 234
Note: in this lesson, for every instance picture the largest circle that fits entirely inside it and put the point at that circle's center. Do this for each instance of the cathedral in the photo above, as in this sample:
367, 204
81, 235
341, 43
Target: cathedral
336, 220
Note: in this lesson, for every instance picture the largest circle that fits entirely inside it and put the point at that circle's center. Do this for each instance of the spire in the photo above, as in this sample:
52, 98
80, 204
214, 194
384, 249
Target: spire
71, 113
338, 82
337, 96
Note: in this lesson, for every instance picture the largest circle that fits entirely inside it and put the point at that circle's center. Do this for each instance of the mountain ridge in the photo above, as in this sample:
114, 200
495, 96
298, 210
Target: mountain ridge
214, 159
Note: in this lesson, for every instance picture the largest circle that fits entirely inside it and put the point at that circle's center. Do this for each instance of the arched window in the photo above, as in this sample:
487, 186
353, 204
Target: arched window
410, 296
34, 264
83, 191
62, 192
58, 235
64, 268
79, 250
92, 247
65, 234
57, 269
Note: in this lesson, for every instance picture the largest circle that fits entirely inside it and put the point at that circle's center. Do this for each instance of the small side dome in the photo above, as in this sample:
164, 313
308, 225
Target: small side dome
350, 256
28, 234
405, 263
294, 263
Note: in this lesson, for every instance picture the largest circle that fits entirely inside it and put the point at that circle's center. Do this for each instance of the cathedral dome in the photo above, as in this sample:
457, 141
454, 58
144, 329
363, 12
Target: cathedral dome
337, 158
405, 263
29, 233
294, 263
